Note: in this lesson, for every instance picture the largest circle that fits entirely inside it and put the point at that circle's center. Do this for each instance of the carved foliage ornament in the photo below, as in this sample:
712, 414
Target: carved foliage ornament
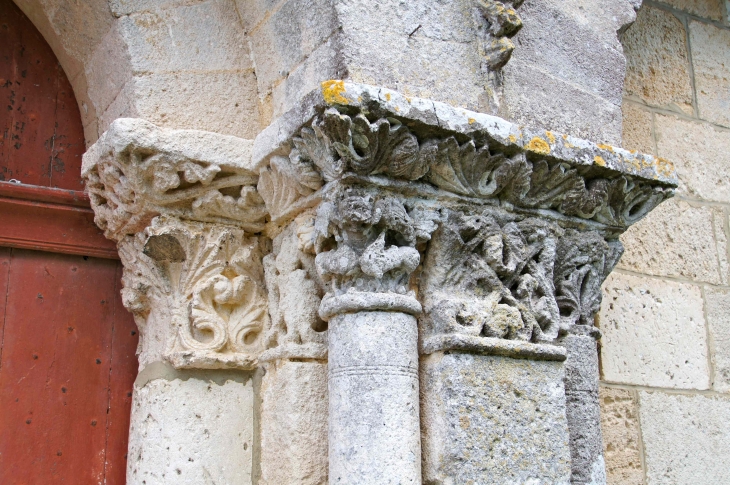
494, 274
207, 281
128, 188
337, 144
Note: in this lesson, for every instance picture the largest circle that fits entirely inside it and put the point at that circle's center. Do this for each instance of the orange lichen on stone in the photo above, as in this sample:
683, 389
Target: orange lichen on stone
472, 120
599, 161
513, 139
605, 147
550, 136
387, 96
664, 167
538, 145
333, 92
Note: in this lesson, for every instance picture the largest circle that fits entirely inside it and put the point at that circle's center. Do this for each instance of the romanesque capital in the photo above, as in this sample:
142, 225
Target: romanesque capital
500, 234
183, 208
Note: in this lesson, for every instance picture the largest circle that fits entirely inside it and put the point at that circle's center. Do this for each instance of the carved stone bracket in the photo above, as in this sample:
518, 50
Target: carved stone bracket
502, 235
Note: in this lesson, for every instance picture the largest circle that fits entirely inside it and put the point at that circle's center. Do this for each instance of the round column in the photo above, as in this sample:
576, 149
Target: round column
374, 430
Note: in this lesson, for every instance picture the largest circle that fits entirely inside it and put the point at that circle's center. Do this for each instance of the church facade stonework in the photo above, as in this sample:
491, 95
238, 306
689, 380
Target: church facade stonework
373, 242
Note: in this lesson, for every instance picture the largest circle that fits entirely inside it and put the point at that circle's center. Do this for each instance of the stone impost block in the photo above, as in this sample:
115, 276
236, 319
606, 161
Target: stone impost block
685, 438
190, 428
493, 420
653, 333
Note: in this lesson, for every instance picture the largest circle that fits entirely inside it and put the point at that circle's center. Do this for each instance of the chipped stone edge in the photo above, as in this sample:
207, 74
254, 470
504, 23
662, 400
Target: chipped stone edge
275, 140
492, 346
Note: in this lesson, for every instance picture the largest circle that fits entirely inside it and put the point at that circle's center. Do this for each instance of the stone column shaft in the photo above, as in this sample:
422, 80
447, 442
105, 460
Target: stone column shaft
373, 399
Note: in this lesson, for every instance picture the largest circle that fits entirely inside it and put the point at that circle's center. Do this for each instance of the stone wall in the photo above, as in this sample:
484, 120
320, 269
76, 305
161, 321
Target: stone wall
665, 318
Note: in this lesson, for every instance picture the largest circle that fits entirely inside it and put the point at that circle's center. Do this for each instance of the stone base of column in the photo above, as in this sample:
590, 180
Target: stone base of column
294, 423
190, 427
373, 399
493, 420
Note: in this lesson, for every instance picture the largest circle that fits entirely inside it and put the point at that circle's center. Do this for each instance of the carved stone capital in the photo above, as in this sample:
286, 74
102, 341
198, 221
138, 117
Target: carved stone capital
501, 235
184, 210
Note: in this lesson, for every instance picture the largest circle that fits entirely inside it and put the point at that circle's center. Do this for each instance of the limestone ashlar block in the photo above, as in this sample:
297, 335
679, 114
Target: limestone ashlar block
621, 439
709, 9
711, 63
191, 430
516, 435
685, 438
653, 333
717, 301
658, 70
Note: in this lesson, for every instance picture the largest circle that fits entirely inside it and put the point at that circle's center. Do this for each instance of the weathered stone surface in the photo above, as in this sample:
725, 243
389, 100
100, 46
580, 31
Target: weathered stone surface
711, 62
108, 69
638, 126
202, 36
294, 424
709, 9
657, 57
191, 430
686, 438
717, 304
493, 420
536, 98
678, 239
699, 152
373, 399
621, 439
582, 410
653, 333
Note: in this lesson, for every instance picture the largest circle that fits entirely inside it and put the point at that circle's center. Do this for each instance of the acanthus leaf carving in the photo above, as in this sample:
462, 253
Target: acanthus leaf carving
202, 285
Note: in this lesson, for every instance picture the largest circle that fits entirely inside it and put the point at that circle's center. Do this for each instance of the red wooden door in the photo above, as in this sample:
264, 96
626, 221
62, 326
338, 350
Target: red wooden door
67, 345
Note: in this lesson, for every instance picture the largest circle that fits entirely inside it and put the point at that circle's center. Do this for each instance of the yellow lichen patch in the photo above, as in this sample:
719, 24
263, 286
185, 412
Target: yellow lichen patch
550, 136
472, 120
664, 167
387, 96
513, 139
599, 161
333, 92
538, 145
605, 147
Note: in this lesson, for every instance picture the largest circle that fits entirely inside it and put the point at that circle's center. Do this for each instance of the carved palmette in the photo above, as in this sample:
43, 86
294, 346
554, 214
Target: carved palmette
209, 279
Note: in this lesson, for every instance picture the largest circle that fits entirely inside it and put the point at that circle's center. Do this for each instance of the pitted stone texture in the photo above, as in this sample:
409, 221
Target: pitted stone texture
678, 239
657, 57
493, 420
191, 431
202, 36
699, 152
373, 399
540, 100
711, 62
582, 410
294, 424
709, 9
717, 303
638, 126
653, 333
686, 438
555, 77
621, 439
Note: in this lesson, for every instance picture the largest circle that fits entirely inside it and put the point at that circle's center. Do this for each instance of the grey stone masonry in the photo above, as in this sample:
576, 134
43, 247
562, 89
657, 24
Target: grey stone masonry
496, 237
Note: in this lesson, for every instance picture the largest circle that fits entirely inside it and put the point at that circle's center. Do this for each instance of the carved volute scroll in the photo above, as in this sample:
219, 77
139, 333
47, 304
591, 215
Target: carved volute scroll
502, 236
185, 212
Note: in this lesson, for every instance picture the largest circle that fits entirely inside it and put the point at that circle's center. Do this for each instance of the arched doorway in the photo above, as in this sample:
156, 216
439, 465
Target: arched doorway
67, 345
